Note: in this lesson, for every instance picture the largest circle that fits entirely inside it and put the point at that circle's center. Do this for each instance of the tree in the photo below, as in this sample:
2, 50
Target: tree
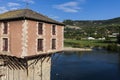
118, 37
68, 22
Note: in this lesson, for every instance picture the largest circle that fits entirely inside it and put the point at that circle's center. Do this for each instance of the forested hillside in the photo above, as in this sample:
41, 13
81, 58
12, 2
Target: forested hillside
77, 29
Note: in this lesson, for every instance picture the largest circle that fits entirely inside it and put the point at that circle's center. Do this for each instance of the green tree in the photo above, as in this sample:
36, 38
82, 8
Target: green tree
118, 37
68, 22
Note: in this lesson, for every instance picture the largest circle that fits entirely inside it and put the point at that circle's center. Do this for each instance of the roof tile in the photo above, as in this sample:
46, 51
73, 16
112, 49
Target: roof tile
27, 13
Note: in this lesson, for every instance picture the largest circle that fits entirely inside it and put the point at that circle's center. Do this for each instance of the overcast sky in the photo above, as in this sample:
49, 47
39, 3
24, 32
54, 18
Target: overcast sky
67, 9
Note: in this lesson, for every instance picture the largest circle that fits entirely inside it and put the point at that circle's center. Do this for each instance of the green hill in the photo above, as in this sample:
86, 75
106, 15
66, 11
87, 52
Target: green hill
94, 23
91, 28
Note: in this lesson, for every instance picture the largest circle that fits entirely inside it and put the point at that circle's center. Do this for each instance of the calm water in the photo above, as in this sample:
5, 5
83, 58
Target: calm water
95, 65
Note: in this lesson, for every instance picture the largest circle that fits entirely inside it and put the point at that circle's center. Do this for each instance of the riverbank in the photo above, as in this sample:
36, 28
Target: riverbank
77, 49
113, 47
84, 45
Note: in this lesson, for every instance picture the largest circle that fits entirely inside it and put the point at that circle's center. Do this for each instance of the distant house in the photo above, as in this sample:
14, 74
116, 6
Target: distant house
91, 38
101, 38
73, 27
25, 32
114, 35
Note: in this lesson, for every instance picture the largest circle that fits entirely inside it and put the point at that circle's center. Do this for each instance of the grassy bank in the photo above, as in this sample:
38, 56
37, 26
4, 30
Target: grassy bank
113, 47
109, 45
85, 43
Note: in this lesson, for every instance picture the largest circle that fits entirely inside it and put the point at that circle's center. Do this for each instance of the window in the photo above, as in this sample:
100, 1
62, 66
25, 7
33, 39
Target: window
40, 45
53, 29
5, 29
53, 43
5, 44
40, 28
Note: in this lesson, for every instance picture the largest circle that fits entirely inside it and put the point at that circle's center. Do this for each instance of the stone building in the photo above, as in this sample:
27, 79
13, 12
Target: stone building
25, 32
27, 40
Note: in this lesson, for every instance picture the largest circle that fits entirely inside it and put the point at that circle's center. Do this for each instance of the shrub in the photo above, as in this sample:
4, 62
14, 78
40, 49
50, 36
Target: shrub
118, 38
113, 47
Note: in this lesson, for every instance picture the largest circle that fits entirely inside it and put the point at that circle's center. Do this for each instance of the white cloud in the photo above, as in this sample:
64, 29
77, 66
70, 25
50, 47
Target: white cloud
13, 8
69, 6
54, 17
3, 9
11, 4
28, 1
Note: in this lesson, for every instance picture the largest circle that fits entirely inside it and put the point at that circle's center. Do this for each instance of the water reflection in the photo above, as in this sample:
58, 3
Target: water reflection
95, 65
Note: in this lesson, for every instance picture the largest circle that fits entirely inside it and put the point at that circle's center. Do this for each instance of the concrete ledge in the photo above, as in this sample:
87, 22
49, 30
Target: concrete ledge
77, 49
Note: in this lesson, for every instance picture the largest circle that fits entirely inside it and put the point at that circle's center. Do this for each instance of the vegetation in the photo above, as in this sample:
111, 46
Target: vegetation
109, 45
113, 47
85, 43
96, 29
118, 37
78, 31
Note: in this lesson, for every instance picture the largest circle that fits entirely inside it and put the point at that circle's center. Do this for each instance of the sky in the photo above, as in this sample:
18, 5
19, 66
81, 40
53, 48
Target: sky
67, 9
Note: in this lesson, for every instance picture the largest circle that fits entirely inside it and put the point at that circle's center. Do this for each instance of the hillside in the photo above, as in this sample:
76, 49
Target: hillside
94, 23
91, 28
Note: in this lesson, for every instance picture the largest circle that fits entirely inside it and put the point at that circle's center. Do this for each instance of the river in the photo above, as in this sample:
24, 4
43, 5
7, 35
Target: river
93, 65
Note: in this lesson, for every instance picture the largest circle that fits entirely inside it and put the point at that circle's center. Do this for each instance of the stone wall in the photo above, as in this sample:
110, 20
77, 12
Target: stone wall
37, 70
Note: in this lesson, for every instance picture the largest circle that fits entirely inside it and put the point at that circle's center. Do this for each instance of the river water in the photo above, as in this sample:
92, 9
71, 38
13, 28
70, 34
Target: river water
94, 65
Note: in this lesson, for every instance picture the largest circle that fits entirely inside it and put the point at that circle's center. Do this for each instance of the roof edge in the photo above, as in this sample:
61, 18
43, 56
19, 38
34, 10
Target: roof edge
24, 14
23, 18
